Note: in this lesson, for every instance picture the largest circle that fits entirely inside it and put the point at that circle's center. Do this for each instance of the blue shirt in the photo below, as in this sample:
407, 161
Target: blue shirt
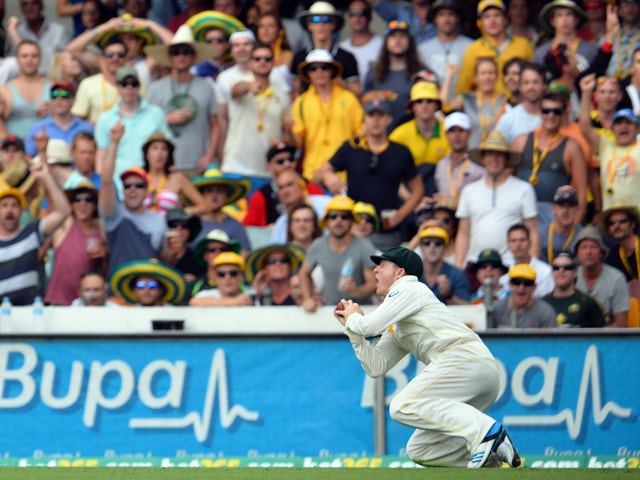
405, 13
55, 131
460, 286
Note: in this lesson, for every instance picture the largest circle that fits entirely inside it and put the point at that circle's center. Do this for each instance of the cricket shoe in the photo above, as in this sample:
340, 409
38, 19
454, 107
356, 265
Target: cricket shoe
496, 447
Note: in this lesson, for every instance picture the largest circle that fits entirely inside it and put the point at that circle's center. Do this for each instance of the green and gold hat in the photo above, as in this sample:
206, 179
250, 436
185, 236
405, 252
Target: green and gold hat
209, 19
236, 188
146, 36
255, 261
123, 279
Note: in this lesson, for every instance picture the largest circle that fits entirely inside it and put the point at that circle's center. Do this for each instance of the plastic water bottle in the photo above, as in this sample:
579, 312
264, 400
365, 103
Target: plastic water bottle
266, 299
5, 313
38, 314
346, 272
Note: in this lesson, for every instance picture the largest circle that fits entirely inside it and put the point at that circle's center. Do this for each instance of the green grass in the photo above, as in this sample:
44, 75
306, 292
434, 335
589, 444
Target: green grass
310, 474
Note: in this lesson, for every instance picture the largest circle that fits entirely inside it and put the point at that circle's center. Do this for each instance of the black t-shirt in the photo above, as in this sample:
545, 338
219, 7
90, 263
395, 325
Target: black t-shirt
579, 310
346, 59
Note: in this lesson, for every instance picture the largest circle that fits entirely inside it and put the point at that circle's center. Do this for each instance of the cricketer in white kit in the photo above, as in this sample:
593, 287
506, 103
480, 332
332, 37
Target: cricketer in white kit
446, 401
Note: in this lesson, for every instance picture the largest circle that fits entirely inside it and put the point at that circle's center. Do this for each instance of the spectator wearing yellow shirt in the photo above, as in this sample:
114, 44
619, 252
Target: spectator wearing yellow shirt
425, 134
326, 115
494, 42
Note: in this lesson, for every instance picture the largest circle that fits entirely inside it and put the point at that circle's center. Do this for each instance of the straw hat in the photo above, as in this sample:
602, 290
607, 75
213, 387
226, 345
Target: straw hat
146, 36
618, 207
255, 261
495, 142
18, 175
202, 22
236, 187
184, 36
321, 9
158, 137
123, 279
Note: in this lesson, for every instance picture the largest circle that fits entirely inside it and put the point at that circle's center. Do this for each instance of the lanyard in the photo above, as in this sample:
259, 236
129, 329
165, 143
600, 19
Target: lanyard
620, 73
454, 188
538, 157
565, 247
485, 120
625, 262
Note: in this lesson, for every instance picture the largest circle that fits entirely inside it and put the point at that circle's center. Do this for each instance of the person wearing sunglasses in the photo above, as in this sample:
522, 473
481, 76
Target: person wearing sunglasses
522, 309
61, 123
376, 168
446, 401
551, 159
148, 283
369, 220
331, 252
621, 223
606, 284
79, 244
574, 308
485, 278
228, 268
323, 21
449, 284
269, 271
182, 228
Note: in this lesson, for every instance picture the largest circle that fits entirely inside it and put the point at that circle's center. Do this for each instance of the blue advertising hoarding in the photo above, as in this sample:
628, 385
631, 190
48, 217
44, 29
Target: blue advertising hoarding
291, 397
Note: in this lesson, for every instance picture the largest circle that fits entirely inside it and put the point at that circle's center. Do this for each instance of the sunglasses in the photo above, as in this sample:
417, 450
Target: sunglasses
373, 163
342, 216
489, 265
85, 199
617, 221
177, 224
130, 83
516, 282
216, 249
262, 59
322, 66
443, 220
283, 160
273, 261
61, 94
114, 54
568, 268
140, 185
436, 242
215, 40
147, 284
367, 219
358, 13
556, 111
224, 273
321, 19
175, 52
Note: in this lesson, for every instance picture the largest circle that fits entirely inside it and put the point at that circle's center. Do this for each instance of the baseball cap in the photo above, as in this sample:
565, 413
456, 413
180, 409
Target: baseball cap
435, 232
134, 171
12, 140
228, 258
626, 113
377, 105
523, 270
279, 148
488, 256
248, 34
125, 72
565, 194
486, 4
62, 85
457, 119
402, 257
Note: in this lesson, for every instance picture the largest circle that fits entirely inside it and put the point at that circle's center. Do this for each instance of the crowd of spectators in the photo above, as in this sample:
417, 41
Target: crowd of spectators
258, 152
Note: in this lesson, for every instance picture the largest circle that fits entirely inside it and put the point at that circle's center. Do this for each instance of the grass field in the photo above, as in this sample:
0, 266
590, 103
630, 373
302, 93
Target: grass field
311, 474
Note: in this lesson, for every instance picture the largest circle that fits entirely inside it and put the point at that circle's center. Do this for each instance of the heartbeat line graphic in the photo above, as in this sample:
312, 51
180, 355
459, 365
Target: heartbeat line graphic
590, 377
217, 383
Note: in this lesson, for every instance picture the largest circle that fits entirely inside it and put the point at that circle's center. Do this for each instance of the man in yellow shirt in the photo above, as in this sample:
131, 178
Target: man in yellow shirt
494, 43
326, 115
425, 134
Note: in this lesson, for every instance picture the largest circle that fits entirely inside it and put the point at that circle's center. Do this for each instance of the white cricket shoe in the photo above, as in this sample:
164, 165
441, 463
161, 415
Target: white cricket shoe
495, 447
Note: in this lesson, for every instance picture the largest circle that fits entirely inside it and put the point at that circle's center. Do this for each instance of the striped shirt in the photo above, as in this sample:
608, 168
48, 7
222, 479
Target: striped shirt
19, 265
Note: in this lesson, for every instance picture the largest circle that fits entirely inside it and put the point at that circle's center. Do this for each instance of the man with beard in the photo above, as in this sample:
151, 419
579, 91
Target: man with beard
19, 263
344, 258
621, 222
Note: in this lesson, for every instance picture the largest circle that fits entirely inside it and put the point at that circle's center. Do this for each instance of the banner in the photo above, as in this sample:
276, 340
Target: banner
291, 397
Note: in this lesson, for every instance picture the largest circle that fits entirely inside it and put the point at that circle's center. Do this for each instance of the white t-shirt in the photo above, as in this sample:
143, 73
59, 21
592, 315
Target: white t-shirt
366, 55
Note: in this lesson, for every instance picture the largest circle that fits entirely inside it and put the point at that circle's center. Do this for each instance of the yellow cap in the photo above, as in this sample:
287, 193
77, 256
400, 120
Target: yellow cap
484, 4
229, 258
339, 203
435, 232
424, 90
15, 193
524, 271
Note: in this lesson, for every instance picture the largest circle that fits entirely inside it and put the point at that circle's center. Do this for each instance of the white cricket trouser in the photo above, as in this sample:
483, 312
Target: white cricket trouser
445, 404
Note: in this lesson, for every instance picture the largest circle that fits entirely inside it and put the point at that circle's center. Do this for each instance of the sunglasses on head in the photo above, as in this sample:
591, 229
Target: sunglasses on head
85, 199
273, 261
130, 83
556, 111
259, 58
516, 282
139, 185
215, 40
114, 54
568, 267
617, 221
61, 94
174, 52
177, 224
373, 163
147, 284
342, 216
321, 19
319, 66
436, 242
231, 273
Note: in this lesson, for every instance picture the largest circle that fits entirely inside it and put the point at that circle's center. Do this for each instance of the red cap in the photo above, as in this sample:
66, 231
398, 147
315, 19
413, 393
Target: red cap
62, 85
137, 171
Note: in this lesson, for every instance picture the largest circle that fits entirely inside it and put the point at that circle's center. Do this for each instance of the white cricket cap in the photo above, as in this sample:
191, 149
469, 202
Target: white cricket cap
457, 119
